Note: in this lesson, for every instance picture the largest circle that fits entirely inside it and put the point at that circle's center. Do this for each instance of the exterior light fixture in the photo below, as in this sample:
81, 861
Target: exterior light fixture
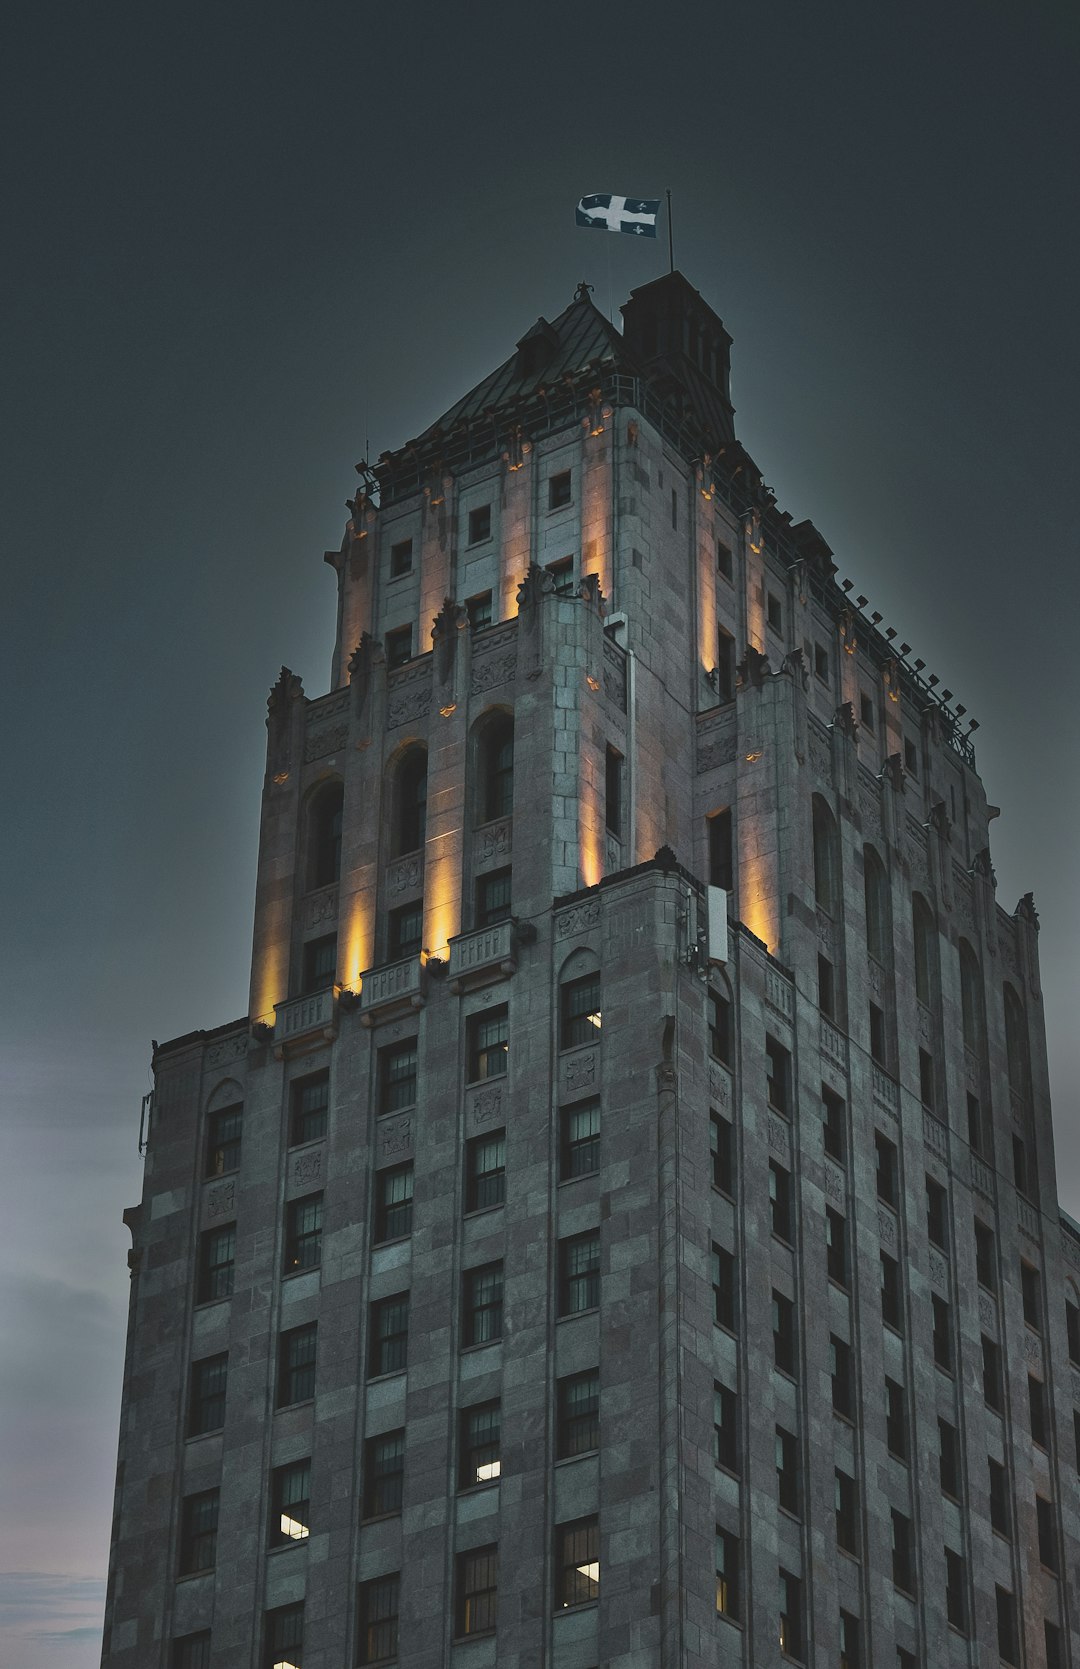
875, 618
933, 679
973, 724
904, 647
946, 695
861, 602
919, 665
890, 632
960, 711
846, 584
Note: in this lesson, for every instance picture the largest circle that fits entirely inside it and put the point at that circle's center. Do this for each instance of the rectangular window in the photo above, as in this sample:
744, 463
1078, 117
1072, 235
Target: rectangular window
1055, 1658
405, 931
480, 1449
927, 1077
878, 1045
477, 1591
821, 662
846, 1513
397, 1076
888, 1171
722, 1146
480, 610
850, 1641
991, 1375
791, 1615
1008, 1651
775, 613
1000, 1506
719, 1027
579, 1153
217, 1260
840, 1368
728, 1597
725, 664
579, 1008
1072, 1330
284, 1648
937, 1214
398, 647
866, 713
562, 572
949, 1459
896, 1429
198, 1532
206, 1407
579, 1273
577, 1563
488, 1044
911, 758
903, 1563
1021, 1168
482, 1304
309, 1103
723, 1286
578, 1427
1031, 1289
389, 1335
303, 1233
834, 1122
721, 870
384, 1474
723, 561
955, 1591
192, 1651
780, 1201
975, 1124
985, 1260
560, 489
290, 1518
493, 897
778, 1073
480, 524
783, 1322
942, 1333
223, 1135
296, 1365
674, 508
826, 987
787, 1471
377, 1620
393, 1203
485, 1171
836, 1246
613, 792
725, 1427
892, 1313
1036, 1409
320, 962
400, 558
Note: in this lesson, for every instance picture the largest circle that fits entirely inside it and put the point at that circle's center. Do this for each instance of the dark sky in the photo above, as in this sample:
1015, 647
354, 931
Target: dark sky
240, 240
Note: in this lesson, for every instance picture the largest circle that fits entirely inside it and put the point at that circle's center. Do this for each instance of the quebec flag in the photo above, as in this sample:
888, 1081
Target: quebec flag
636, 215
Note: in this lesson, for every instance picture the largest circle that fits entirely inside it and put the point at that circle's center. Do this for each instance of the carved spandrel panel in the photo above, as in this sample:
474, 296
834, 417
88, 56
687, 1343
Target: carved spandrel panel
579, 1072
886, 1228
834, 1184
327, 739
229, 1049
308, 1167
394, 1139
484, 1108
779, 1137
987, 1313
492, 670
939, 1274
405, 874
221, 1201
578, 919
719, 1085
320, 906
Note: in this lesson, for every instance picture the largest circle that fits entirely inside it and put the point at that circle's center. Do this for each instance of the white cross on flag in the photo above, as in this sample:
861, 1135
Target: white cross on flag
636, 215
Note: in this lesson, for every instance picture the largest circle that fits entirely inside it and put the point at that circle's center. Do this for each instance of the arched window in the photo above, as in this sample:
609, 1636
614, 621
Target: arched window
324, 834
971, 998
410, 802
826, 858
925, 929
878, 915
496, 797
1016, 1045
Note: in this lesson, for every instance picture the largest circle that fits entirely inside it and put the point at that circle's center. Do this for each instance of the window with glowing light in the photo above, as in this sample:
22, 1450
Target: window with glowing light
223, 1137
303, 1233
284, 1638
377, 1608
577, 1563
290, 1490
728, 1598
479, 1453
580, 1013
477, 1591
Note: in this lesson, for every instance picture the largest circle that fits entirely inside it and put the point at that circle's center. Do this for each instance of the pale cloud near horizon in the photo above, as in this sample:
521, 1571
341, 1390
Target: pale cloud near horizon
50, 1620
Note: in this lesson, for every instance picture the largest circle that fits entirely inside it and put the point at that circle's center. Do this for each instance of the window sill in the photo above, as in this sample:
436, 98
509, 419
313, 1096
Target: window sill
569, 1460
207, 1303
301, 1269
582, 1605
194, 1575
482, 1210
475, 1083
286, 1546
219, 1176
389, 1112
839, 1286
381, 1378
309, 1141
198, 1436
791, 1515
395, 1240
478, 1489
380, 1518
477, 1634
845, 1419
582, 1176
572, 1315
305, 1402
481, 1344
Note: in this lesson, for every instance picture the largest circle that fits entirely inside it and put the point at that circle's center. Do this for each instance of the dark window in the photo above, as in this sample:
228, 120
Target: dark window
850, 1641
971, 998
485, 1171
925, 932
303, 1233
1021, 1167
398, 646
723, 1286
725, 664
911, 757
400, 558
206, 1409
1076, 1439
377, 1620
791, 1615
284, 1647
296, 1365
479, 610
949, 1459
896, 1428
826, 987
976, 1134
384, 1474
393, 1203
937, 1214
720, 865
722, 1144
834, 1121
840, 1369
778, 1071
497, 768
290, 1518
878, 1041
483, 1304
903, 1563
1016, 1046
580, 1148
477, 1591
397, 1076
942, 1333
223, 1136
217, 1258
723, 560
725, 1427
562, 572
719, 1027
906, 1660
309, 1103
1072, 1329
821, 662
389, 1335
780, 1201
783, 1323
320, 963
577, 1562
1000, 1506
955, 1591
198, 1532
560, 489
878, 914
480, 1451
406, 931
580, 1011
488, 1044
787, 1470
866, 712
985, 1259
826, 857
613, 792
775, 612
836, 1246
991, 1373
1036, 1409
728, 1597
674, 508
927, 1080
579, 1273
1052, 1641
325, 812
887, 1169
411, 795
1031, 1289
578, 1430
846, 1513
891, 1301
192, 1651
1008, 1651
493, 897
480, 524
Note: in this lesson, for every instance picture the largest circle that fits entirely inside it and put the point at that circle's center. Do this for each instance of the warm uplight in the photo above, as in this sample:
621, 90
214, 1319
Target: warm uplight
447, 710
442, 899
293, 1528
752, 758
358, 946
757, 898
593, 683
270, 982
282, 776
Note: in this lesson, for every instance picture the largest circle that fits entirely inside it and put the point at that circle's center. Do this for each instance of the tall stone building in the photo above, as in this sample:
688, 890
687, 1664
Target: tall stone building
623, 1230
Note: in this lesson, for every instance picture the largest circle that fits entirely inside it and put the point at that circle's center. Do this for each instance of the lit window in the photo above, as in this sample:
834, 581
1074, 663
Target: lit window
284, 1638
303, 1233
580, 1011
480, 1446
198, 1532
206, 1409
384, 1474
579, 1273
727, 1574
577, 1563
488, 1044
389, 1335
310, 1098
578, 1424
485, 1171
296, 1365
290, 1520
393, 1203
377, 1620
477, 1591
224, 1130
791, 1615
580, 1146
217, 1255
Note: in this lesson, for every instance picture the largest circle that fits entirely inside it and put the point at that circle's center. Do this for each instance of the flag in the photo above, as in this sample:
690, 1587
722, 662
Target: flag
636, 215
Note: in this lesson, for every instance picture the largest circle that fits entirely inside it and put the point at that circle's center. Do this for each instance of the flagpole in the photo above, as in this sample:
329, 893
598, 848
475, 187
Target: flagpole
670, 236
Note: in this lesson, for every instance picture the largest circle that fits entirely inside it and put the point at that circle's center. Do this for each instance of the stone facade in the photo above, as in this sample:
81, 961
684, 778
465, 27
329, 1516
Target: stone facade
826, 1098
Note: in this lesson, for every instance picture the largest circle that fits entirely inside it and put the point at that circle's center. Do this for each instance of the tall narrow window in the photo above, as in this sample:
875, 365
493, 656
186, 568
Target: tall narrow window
580, 1146
971, 998
217, 1261
1000, 1506
384, 1474
580, 1013
400, 558
955, 1591
834, 1122
1031, 1290
389, 1335
485, 1171
826, 986
1072, 1329
878, 923
896, 1427
847, 1513
887, 1169
728, 1599
836, 1246
927, 1080
320, 963
937, 1214
903, 1552
719, 1012
722, 1144
325, 810
850, 1641
223, 1137
879, 1039
991, 1360
191, 1651
497, 768
826, 858
577, 1563
778, 1076
393, 1203
791, 1615
942, 1333
303, 1233
1005, 1602
892, 1313
405, 931
841, 1373
1016, 1046
284, 1648
579, 1273
578, 1422
720, 865
377, 1622
783, 1320
985, 1257
411, 796
290, 1515
483, 1304
493, 897
787, 1471
725, 1427
1040, 1433
296, 1365
488, 1044
309, 1101
723, 1285
780, 1201
198, 1532
613, 792
925, 930
206, 1405
397, 1076
949, 1459
480, 1451
477, 1591
725, 664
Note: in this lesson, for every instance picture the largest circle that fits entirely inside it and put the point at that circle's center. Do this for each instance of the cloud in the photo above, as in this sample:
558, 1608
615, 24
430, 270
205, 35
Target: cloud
49, 1607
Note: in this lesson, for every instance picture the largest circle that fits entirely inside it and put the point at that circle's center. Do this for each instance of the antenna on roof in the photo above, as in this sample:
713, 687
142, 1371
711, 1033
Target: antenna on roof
670, 237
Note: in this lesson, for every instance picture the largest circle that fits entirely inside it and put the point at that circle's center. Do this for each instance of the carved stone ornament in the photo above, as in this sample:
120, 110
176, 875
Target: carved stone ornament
580, 1071
405, 874
938, 1272
870, 806
1026, 910
886, 1227
492, 671
495, 839
486, 1106
893, 772
395, 1137
820, 754
718, 750
753, 669
779, 993
320, 906
778, 1136
281, 705
578, 919
987, 1312
794, 664
1032, 1350
614, 674
536, 584
939, 820
848, 635
451, 620
719, 1085
221, 1202
360, 665
982, 866
844, 721
407, 707
307, 1167
834, 1184
229, 1049
327, 739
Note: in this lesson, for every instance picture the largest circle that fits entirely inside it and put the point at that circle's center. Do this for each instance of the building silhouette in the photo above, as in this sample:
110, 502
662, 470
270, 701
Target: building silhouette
623, 1231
